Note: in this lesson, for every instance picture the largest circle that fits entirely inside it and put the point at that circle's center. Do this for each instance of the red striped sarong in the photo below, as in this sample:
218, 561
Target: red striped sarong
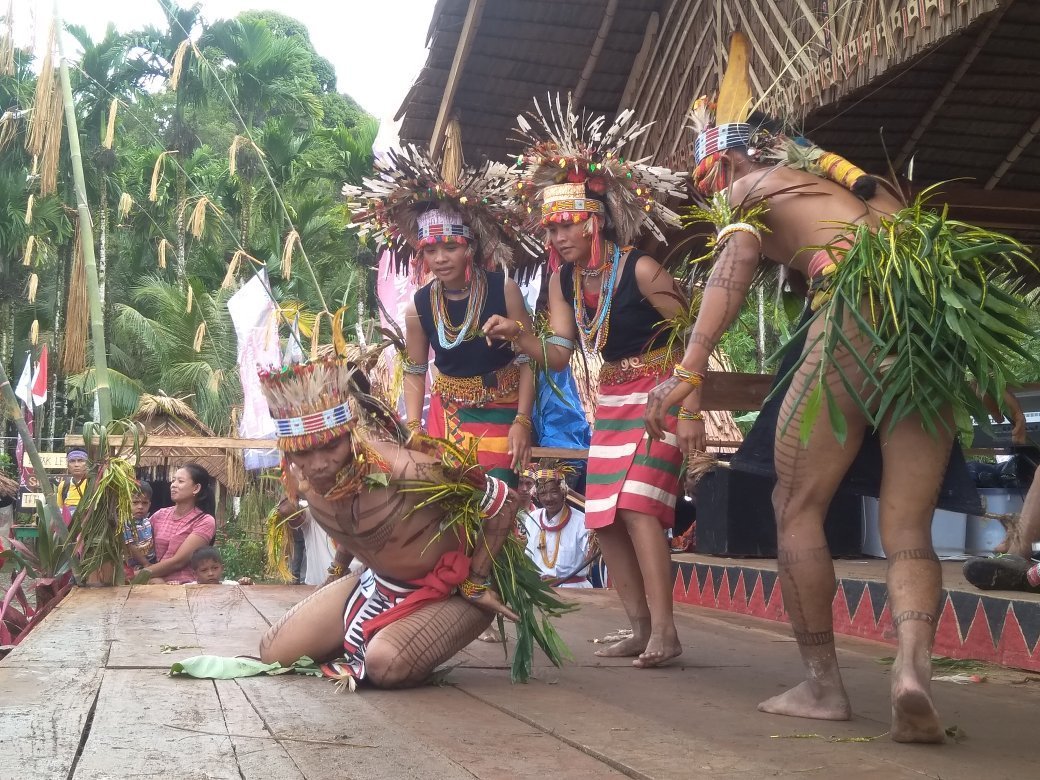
626, 469
488, 423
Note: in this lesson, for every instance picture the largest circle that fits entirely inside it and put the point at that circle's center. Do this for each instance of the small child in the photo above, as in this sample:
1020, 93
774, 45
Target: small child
137, 536
209, 569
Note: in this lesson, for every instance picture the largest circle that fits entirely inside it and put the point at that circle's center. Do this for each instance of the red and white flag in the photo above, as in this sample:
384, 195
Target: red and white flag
39, 380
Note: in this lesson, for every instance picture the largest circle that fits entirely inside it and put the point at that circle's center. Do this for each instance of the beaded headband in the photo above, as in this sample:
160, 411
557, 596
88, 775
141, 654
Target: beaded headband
563, 200
310, 402
732, 135
437, 226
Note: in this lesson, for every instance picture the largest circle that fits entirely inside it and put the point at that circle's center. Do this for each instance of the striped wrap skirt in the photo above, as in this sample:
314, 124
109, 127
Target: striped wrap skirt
626, 469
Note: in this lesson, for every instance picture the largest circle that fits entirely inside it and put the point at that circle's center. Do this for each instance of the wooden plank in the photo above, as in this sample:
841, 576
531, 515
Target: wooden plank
154, 617
148, 724
77, 633
257, 750
330, 735
469, 30
273, 601
203, 442
433, 715
730, 390
43, 711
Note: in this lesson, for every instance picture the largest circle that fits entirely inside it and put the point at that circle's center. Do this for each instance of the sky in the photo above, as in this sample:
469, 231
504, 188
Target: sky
376, 46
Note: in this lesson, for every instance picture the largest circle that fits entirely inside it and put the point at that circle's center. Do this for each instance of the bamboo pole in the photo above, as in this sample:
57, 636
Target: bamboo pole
86, 234
50, 509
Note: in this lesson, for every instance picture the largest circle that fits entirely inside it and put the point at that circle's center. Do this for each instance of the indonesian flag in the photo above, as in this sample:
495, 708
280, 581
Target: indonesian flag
39, 380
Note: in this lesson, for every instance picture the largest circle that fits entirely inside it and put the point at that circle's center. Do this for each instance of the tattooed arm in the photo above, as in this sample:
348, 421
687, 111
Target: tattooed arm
723, 298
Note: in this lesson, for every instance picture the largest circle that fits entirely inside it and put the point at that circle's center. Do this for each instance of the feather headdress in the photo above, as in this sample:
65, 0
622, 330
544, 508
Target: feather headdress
479, 205
565, 149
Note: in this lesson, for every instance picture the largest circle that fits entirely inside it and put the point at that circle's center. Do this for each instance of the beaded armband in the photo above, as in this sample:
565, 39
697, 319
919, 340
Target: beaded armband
560, 341
415, 368
737, 227
524, 420
521, 359
496, 493
336, 569
687, 414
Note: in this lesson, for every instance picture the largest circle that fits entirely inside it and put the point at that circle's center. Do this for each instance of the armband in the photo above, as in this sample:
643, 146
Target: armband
560, 341
683, 374
416, 368
687, 414
472, 590
496, 493
737, 227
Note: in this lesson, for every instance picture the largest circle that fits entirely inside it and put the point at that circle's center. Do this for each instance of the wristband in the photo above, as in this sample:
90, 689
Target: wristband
524, 420
336, 569
683, 374
687, 414
472, 590
414, 425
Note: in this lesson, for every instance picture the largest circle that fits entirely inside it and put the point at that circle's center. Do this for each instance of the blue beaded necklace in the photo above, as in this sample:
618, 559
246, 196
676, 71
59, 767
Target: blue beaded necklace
594, 334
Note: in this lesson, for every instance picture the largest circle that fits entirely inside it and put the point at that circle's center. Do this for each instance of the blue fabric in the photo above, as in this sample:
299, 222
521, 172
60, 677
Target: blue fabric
560, 422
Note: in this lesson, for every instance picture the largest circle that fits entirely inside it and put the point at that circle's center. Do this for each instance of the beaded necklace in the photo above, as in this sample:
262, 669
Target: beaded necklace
593, 330
448, 334
543, 545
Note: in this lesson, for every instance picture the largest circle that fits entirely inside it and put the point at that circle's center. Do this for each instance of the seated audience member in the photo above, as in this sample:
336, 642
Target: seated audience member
137, 536
181, 529
208, 568
557, 540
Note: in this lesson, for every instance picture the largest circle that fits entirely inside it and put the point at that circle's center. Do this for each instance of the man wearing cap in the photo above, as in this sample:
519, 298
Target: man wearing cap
557, 539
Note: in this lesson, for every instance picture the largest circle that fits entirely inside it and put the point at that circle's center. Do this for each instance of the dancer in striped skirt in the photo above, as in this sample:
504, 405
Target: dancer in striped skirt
615, 299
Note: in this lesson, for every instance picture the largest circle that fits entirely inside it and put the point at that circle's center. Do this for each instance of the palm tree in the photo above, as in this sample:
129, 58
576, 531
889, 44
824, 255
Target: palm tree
154, 350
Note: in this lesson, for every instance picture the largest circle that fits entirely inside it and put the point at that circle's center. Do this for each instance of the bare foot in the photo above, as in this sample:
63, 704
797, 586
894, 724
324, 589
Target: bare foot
626, 648
659, 650
914, 718
491, 635
806, 700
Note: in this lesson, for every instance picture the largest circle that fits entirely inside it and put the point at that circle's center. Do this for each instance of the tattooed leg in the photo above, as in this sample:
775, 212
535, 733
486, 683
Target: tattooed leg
807, 478
405, 653
914, 464
314, 627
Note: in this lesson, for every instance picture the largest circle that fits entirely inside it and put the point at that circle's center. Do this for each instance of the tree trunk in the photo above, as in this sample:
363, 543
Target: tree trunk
61, 297
247, 205
182, 232
103, 244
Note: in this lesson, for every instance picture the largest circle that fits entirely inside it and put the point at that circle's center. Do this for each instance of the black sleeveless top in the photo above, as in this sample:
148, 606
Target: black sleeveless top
473, 357
635, 325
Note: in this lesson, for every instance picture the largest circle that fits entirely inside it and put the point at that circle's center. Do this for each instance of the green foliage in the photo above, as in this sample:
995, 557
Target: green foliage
241, 541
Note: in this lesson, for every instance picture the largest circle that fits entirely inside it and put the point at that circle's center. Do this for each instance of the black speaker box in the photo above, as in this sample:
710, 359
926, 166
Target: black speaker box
735, 517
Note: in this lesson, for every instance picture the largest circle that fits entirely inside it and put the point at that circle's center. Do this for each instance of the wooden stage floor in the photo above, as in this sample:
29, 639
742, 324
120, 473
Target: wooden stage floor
87, 695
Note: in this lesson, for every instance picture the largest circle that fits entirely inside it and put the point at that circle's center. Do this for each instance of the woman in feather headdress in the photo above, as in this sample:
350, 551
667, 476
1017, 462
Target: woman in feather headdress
593, 204
906, 305
456, 229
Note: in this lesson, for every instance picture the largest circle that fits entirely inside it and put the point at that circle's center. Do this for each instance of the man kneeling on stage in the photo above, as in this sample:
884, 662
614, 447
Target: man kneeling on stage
425, 591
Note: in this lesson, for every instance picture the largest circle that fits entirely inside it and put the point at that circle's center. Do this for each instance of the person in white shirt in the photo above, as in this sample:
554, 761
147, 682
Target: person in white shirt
557, 540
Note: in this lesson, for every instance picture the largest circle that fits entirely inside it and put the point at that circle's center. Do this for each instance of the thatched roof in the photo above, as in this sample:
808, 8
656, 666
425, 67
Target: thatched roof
163, 415
8, 487
520, 50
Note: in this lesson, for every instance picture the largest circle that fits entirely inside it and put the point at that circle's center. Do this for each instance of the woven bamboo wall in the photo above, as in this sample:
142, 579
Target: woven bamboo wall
805, 54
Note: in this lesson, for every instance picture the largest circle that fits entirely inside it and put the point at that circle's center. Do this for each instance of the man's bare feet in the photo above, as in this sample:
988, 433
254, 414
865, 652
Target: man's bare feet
659, 650
810, 700
914, 718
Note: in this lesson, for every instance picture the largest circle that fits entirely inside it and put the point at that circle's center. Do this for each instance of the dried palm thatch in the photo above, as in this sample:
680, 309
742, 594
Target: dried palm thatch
178, 63
157, 170
166, 416
291, 242
29, 203
164, 246
7, 43
110, 129
77, 318
8, 487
